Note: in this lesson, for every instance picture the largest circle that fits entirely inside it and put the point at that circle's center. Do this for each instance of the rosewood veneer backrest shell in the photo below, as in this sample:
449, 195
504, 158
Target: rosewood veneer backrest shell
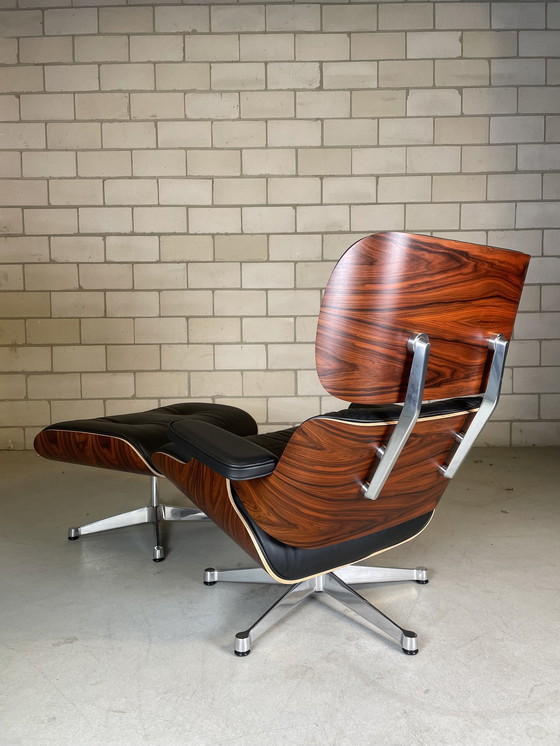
390, 286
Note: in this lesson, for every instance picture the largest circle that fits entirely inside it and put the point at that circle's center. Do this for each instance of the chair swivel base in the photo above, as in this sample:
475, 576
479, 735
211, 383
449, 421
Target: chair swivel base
154, 513
332, 583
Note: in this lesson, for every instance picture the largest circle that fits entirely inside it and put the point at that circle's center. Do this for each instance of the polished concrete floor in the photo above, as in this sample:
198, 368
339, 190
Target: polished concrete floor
101, 646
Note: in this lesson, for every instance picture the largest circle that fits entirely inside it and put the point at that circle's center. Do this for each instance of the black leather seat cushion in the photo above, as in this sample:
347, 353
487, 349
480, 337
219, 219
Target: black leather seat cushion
295, 563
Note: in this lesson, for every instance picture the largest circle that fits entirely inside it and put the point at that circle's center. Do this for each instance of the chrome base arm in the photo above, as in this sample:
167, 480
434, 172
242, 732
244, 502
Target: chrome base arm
130, 518
334, 585
364, 574
347, 596
242, 575
286, 603
153, 513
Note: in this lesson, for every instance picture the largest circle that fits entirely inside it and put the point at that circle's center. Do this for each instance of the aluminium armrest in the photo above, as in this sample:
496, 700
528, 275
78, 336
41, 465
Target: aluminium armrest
228, 454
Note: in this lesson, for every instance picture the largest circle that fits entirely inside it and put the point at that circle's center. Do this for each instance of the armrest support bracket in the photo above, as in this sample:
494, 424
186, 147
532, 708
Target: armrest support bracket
466, 439
388, 455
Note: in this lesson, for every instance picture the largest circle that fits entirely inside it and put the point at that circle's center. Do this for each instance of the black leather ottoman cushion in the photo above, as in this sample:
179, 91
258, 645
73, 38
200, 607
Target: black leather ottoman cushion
100, 441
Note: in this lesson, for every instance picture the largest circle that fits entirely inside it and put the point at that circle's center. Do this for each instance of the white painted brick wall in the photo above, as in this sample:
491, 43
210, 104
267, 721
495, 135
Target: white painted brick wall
177, 180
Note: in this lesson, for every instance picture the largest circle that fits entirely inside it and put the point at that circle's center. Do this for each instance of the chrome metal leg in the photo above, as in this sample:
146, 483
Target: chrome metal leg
154, 513
347, 596
158, 554
286, 603
363, 574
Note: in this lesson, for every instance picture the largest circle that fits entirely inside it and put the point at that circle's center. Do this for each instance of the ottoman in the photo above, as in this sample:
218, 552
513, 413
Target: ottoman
126, 443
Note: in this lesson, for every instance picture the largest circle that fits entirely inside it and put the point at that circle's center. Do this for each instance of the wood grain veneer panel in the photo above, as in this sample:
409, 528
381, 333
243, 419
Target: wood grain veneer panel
90, 449
390, 286
313, 497
208, 491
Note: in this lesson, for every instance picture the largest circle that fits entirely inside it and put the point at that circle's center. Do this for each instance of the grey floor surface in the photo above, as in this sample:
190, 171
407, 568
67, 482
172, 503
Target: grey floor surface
101, 646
